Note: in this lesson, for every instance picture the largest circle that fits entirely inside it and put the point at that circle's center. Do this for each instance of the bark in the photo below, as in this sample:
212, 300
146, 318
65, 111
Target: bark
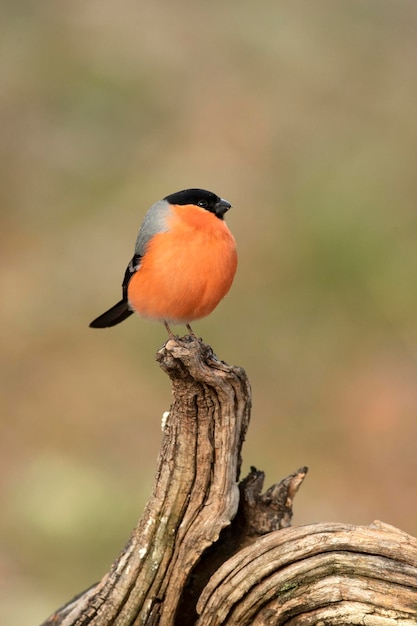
209, 550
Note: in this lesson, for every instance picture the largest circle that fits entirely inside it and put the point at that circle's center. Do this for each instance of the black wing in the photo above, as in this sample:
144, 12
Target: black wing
131, 269
121, 310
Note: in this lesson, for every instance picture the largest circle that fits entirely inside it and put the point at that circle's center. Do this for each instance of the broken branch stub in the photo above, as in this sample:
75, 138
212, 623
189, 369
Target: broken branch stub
195, 495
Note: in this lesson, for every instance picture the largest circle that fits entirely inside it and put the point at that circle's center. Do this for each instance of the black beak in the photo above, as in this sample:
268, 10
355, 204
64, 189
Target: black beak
221, 207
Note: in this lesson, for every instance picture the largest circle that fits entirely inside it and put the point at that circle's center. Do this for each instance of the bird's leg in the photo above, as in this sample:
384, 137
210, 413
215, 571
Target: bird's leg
170, 333
190, 330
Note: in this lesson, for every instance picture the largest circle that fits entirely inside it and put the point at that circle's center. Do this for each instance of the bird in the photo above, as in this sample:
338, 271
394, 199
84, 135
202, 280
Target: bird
184, 262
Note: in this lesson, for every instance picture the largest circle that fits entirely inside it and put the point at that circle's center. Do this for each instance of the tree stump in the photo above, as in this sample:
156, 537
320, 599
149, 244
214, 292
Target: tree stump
209, 551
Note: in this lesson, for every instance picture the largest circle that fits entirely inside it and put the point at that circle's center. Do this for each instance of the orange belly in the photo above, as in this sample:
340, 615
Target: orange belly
185, 271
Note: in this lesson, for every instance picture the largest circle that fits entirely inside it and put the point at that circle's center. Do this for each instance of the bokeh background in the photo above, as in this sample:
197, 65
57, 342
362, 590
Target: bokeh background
304, 116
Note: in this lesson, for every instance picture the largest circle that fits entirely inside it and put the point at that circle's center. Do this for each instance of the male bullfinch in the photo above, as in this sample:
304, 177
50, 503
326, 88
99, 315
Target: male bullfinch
184, 262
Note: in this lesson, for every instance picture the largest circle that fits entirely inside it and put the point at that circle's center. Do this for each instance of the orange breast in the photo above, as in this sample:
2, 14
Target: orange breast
187, 270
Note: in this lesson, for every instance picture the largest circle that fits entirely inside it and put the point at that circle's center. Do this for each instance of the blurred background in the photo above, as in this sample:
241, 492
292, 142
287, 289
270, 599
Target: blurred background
304, 116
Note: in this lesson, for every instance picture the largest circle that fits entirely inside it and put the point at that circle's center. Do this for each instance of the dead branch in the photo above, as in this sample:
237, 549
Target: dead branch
208, 551
319, 574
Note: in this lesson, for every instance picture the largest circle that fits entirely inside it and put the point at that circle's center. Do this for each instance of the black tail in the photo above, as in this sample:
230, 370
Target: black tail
113, 316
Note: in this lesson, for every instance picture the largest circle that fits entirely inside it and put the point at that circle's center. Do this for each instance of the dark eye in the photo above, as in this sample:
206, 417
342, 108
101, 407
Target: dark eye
203, 204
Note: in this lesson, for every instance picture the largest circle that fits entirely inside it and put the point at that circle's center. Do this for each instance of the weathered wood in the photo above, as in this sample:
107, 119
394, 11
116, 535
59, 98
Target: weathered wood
208, 551
317, 574
195, 494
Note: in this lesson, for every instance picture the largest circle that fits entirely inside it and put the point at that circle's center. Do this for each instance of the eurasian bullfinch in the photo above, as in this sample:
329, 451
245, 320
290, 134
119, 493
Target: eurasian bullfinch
184, 262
